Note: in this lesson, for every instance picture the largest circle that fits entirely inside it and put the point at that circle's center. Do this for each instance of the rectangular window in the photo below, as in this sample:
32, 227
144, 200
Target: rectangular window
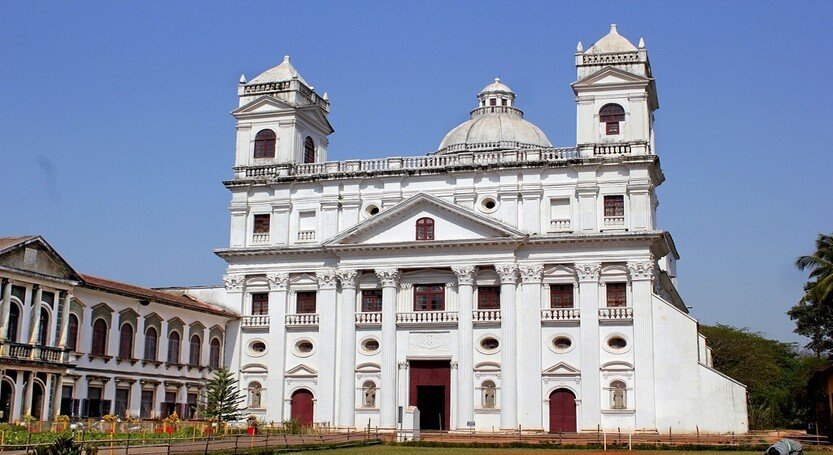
306, 226
612, 128
261, 223
146, 406
614, 206
94, 401
260, 303
488, 297
560, 214
371, 300
616, 294
305, 302
122, 402
561, 296
429, 297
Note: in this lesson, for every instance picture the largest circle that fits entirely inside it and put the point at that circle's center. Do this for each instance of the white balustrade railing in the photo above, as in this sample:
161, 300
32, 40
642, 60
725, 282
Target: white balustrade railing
426, 317
612, 149
611, 221
374, 318
560, 314
260, 320
560, 225
306, 235
260, 238
616, 313
303, 319
485, 316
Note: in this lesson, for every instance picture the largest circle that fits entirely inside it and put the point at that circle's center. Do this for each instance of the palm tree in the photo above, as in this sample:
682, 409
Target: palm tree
820, 264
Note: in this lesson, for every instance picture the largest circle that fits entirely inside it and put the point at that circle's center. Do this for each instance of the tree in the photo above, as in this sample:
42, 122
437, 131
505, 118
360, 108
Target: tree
814, 320
223, 398
820, 264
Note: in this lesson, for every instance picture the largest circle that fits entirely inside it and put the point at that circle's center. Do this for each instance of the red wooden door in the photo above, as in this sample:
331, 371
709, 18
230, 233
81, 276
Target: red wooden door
301, 407
562, 411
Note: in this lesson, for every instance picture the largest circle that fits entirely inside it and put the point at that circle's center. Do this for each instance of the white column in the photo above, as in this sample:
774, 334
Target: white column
19, 396
325, 303
529, 335
508, 354
46, 404
5, 305
27, 395
57, 308
588, 291
642, 274
347, 348
57, 393
65, 306
231, 341
389, 278
465, 344
26, 316
34, 316
134, 406
278, 292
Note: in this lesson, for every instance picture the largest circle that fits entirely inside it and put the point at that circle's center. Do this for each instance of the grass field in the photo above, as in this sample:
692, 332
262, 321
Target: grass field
394, 450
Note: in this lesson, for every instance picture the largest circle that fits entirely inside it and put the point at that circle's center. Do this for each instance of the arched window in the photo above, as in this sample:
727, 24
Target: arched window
369, 395
151, 343
72, 332
309, 150
173, 347
126, 341
214, 355
489, 391
14, 319
618, 395
255, 394
99, 345
194, 355
425, 229
611, 115
265, 144
43, 327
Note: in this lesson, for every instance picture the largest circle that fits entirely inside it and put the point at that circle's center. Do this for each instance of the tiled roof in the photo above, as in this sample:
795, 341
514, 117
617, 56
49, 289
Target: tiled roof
165, 298
7, 242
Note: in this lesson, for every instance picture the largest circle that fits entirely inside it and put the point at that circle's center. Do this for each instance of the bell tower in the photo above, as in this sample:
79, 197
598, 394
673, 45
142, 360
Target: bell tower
281, 120
615, 97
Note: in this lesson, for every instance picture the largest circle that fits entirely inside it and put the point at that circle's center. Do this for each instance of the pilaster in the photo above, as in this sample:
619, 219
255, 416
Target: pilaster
5, 306
326, 307
34, 316
232, 350
389, 277
347, 348
642, 278
278, 296
508, 274
529, 365
588, 283
465, 347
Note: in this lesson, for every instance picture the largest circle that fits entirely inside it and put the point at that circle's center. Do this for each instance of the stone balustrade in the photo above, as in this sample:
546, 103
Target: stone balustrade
256, 321
560, 225
260, 237
302, 320
23, 351
621, 313
369, 319
614, 221
611, 149
306, 236
560, 315
485, 316
426, 317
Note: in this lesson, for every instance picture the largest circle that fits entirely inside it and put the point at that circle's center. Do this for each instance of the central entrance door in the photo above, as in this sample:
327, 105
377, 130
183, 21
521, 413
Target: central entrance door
301, 407
562, 411
430, 391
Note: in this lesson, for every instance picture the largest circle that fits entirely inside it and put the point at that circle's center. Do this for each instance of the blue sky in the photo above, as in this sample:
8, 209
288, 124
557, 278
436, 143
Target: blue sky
115, 132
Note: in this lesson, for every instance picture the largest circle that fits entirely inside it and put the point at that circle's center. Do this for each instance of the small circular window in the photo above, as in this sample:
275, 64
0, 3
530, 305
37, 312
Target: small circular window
617, 343
562, 343
488, 204
489, 344
258, 346
371, 210
304, 348
370, 345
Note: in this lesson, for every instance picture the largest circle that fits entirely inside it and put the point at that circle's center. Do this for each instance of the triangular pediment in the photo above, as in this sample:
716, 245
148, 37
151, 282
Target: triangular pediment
301, 371
262, 105
34, 256
561, 369
610, 76
398, 224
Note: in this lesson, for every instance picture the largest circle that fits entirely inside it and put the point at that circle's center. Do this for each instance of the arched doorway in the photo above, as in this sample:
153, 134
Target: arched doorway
6, 396
301, 407
37, 400
562, 411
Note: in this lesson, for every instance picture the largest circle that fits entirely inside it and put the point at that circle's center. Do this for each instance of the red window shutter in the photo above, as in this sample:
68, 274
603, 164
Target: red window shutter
309, 150
425, 229
616, 294
614, 205
429, 297
305, 302
126, 342
99, 345
261, 224
265, 144
371, 300
561, 296
260, 303
488, 297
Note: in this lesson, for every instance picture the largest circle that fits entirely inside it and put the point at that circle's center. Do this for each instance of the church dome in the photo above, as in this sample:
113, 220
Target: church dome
496, 124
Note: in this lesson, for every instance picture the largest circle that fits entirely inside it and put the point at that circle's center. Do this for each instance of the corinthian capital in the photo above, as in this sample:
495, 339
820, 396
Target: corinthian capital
465, 274
508, 273
278, 281
326, 278
388, 276
531, 273
641, 270
234, 282
349, 278
588, 271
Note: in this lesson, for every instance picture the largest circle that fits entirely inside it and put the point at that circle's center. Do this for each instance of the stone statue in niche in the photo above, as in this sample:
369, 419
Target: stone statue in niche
369, 395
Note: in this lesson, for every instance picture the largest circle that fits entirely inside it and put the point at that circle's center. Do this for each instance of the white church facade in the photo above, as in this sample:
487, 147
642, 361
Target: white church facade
497, 283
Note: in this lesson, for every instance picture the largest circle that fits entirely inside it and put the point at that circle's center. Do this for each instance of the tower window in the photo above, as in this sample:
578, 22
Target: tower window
614, 206
611, 115
425, 229
561, 296
260, 303
265, 144
261, 224
309, 150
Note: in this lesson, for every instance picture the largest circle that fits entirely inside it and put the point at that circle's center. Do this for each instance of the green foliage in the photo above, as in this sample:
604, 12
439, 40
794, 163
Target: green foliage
820, 264
775, 374
63, 445
223, 398
814, 320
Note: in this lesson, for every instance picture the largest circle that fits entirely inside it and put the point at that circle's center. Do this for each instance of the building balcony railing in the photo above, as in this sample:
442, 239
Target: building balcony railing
614, 221
611, 149
485, 316
560, 225
556, 315
302, 320
258, 321
427, 318
260, 237
620, 313
369, 319
39, 353
306, 236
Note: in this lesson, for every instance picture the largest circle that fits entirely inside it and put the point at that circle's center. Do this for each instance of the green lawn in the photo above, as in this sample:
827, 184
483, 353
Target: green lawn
394, 450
